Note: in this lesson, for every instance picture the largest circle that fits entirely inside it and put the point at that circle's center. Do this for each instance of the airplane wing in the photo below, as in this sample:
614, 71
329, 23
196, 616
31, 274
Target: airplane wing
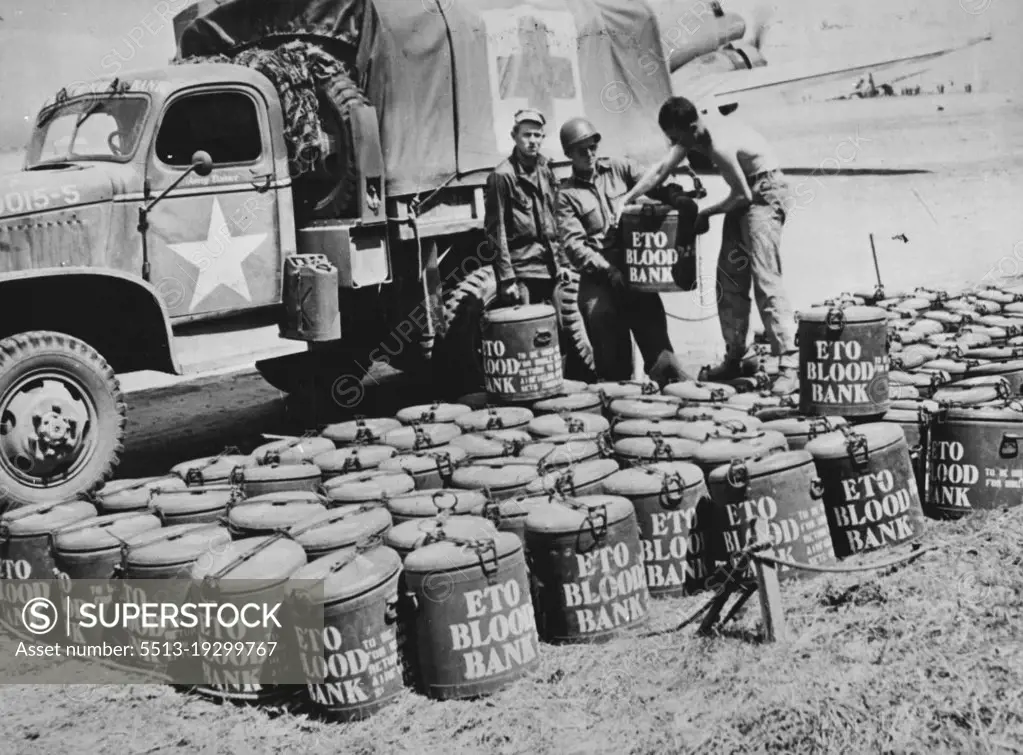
729, 89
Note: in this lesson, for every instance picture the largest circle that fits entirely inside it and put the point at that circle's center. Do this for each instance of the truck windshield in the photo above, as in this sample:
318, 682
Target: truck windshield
99, 127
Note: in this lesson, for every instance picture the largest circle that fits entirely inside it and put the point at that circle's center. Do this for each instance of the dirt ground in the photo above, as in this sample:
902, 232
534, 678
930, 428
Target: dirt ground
924, 658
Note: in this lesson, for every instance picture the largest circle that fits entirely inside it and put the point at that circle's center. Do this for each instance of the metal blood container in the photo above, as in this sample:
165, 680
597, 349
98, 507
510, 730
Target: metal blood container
196, 505
340, 528
25, 537
631, 451
843, 361
472, 629
587, 561
799, 431
359, 647
359, 430
645, 407
567, 423
437, 412
975, 460
696, 392
745, 445
784, 492
352, 459
118, 496
1011, 370
91, 550
420, 437
502, 478
426, 504
494, 418
915, 422
584, 478
510, 514
430, 468
649, 236
668, 498
521, 355
167, 556
870, 492
622, 388
292, 450
274, 478
560, 451
415, 533
211, 470
584, 402
258, 564
367, 487
254, 519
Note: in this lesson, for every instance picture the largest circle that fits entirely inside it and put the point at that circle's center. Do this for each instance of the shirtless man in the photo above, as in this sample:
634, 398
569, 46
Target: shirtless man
755, 211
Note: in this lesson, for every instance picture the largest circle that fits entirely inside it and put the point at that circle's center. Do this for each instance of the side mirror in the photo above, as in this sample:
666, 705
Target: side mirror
202, 163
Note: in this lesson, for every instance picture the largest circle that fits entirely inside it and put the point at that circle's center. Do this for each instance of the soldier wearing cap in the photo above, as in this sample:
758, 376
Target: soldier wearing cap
587, 206
520, 220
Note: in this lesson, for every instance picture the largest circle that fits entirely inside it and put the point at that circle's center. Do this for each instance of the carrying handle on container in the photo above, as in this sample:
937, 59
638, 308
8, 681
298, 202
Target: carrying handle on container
605, 448
719, 395
352, 463
816, 488
1009, 447
737, 475
194, 475
273, 456
575, 425
647, 388
492, 509
672, 491
662, 450
856, 447
835, 319
512, 447
445, 465
362, 433
439, 496
494, 420
819, 426
543, 339
565, 480
422, 439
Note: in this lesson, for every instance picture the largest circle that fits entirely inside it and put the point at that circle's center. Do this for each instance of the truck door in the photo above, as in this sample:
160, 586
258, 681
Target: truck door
213, 241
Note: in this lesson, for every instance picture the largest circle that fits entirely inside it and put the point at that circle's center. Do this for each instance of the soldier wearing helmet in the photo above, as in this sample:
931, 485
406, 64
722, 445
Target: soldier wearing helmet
520, 218
587, 206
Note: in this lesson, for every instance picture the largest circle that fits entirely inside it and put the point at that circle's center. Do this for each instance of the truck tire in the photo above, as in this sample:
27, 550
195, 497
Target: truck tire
343, 94
57, 395
459, 351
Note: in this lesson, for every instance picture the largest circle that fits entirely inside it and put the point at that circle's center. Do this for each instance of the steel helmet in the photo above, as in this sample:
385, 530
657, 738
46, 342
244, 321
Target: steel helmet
574, 130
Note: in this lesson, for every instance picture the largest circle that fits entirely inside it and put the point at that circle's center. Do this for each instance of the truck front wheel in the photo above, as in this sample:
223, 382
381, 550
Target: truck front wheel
62, 419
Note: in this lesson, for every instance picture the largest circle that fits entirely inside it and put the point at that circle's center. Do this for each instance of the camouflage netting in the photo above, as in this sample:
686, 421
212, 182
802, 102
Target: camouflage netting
298, 70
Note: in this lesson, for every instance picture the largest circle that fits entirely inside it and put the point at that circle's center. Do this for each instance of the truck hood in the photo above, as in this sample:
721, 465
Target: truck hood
61, 187
64, 216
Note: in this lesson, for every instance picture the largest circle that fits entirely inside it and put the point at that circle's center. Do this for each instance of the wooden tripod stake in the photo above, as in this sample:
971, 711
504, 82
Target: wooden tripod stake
769, 588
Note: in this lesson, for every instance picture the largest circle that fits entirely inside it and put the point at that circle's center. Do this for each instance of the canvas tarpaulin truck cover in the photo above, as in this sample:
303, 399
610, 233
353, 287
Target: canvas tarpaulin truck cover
446, 76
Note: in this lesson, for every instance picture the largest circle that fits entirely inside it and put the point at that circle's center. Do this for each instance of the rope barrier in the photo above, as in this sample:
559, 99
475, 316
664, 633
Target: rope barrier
844, 569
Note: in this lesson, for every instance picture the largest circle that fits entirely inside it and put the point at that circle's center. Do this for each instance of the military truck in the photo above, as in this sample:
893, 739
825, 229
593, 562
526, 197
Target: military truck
158, 204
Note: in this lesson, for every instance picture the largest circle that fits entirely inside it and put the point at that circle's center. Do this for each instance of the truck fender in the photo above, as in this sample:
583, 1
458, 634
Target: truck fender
70, 300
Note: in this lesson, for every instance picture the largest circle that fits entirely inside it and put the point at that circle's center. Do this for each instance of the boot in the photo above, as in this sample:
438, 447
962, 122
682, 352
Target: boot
729, 369
667, 369
787, 382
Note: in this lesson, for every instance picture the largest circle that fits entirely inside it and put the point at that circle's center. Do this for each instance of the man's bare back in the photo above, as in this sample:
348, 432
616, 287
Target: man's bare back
731, 137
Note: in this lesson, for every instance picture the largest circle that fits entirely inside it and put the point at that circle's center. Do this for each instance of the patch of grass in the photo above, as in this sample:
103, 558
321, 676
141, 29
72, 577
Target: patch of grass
925, 657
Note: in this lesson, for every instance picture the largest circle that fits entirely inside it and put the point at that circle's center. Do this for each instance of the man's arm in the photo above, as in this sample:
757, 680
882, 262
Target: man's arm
573, 239
740, 194
668, 194
655, 176
494, 204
